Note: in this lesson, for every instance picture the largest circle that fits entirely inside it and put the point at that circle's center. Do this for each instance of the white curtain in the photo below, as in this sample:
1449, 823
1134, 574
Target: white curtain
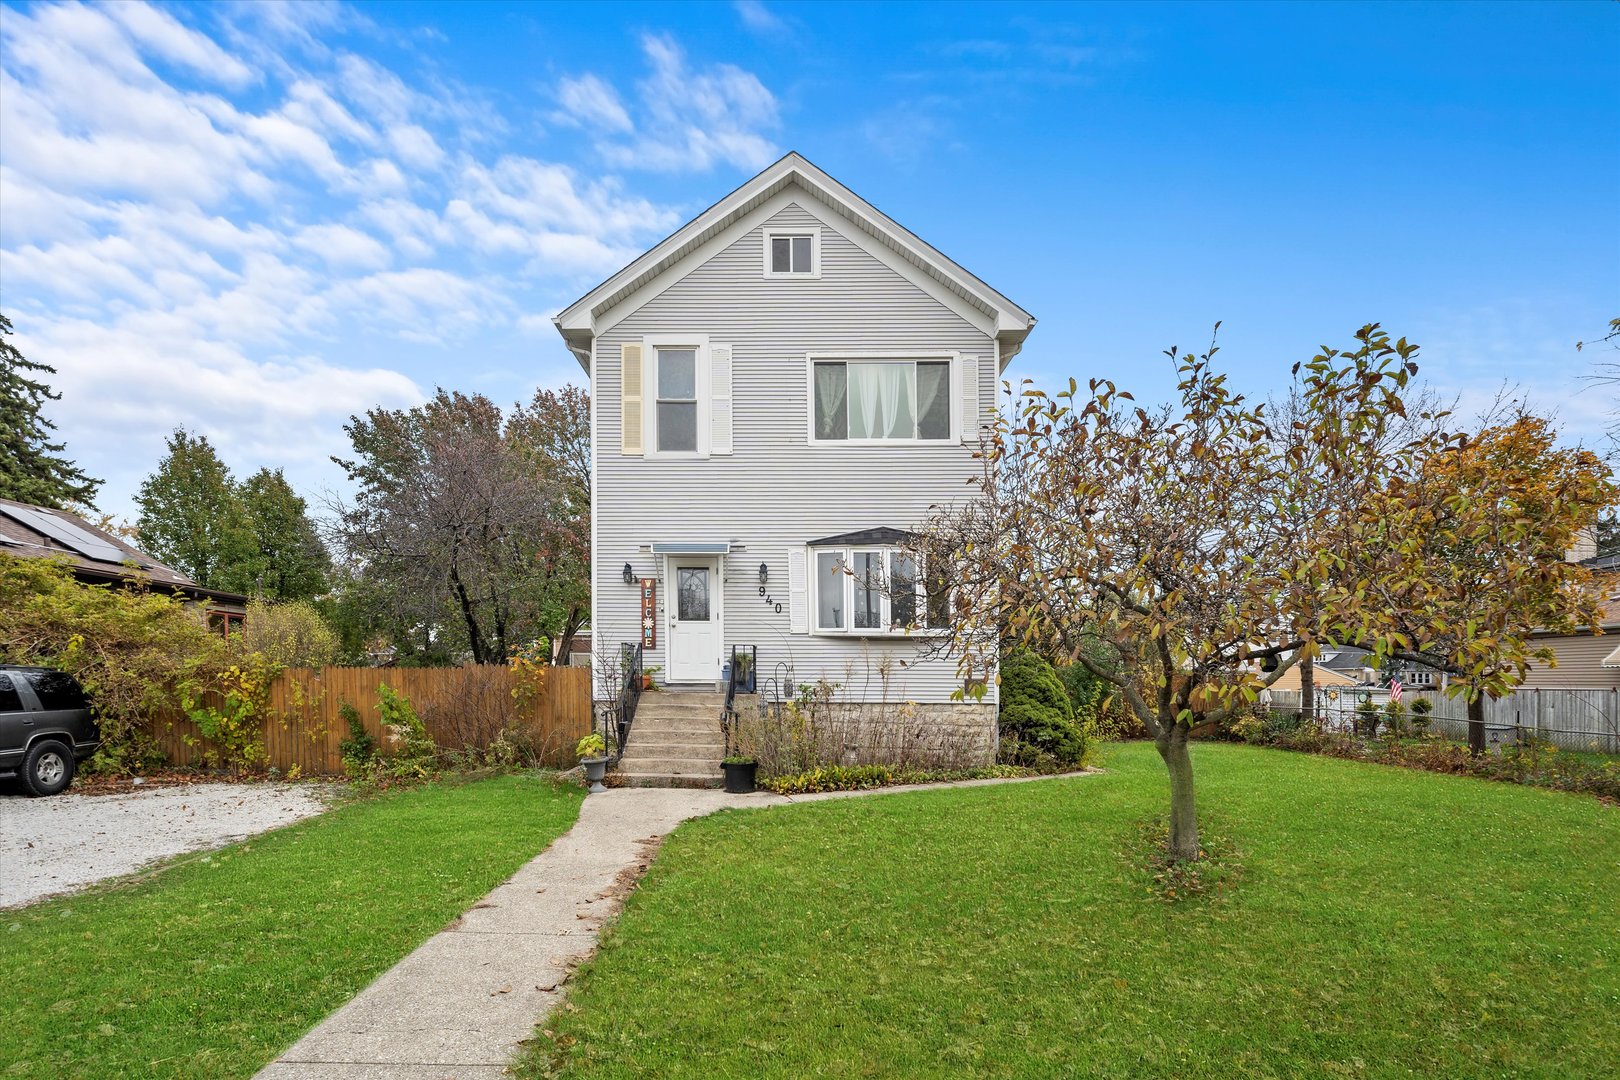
933, 406
899, 401
831, 393
882, 401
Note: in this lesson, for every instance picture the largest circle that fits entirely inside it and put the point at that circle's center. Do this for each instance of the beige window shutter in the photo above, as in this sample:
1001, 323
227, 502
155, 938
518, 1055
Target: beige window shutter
630, 398
719, 399
798, 592
972, 412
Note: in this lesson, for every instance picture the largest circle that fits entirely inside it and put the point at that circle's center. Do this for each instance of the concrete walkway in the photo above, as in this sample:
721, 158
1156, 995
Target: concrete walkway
459, 1005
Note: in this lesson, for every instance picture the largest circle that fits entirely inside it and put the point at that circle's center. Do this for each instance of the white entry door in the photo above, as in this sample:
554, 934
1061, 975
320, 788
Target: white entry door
695, 637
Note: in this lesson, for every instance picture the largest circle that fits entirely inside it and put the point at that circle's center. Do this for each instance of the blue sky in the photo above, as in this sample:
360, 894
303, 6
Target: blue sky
256, 219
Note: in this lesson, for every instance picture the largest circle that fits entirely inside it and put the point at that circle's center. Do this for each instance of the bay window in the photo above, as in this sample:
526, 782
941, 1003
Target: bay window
887, 400
876, 591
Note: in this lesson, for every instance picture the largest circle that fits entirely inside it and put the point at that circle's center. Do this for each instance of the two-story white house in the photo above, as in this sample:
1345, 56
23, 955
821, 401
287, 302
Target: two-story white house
780, 389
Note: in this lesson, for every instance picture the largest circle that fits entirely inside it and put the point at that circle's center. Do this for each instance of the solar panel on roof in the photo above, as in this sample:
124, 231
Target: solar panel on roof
76, 538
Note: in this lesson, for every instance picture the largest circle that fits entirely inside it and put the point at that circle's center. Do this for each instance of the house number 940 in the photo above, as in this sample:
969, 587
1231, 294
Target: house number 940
768, 601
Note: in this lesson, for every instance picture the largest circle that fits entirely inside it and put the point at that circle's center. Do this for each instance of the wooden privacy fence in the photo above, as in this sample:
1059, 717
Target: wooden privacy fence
462, 708
1572, 719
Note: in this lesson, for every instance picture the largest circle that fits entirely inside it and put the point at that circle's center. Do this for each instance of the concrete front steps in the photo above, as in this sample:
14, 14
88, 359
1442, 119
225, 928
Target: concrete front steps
675, 740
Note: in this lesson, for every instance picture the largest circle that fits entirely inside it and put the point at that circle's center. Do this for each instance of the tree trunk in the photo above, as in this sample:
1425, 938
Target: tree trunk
571, 625
1476, 725
1172, 746
1307, 689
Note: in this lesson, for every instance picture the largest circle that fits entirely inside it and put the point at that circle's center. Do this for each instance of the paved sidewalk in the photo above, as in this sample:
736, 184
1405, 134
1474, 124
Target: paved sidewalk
458, 1006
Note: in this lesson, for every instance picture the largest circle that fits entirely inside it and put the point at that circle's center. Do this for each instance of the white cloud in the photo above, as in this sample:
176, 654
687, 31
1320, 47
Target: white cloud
588, 100
342, 246
165, 36
686, 119
759, 18
235, 229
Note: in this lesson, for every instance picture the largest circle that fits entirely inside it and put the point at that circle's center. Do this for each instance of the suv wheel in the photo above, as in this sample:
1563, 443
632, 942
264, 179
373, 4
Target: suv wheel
48, 768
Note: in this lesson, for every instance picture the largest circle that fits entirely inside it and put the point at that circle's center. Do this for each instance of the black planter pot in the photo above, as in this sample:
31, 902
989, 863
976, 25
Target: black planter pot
740, 777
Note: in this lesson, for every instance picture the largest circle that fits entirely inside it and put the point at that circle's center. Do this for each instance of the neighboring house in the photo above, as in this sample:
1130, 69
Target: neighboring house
1323, 677
98, 557
780, 389
1586, 661
1350, 662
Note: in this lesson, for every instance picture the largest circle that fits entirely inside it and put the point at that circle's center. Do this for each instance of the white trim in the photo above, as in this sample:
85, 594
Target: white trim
952, 390
812, 231
602, 689
650, 344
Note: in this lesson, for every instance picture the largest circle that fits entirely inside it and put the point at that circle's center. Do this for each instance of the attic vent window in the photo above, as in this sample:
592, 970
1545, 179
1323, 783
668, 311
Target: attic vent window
793, 253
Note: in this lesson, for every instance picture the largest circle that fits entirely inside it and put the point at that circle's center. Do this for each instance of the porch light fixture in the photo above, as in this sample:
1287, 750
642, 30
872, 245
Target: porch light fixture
629, 574
764, 573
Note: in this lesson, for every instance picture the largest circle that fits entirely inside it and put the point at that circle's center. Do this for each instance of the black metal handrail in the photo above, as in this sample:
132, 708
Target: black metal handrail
618, 715
740, 674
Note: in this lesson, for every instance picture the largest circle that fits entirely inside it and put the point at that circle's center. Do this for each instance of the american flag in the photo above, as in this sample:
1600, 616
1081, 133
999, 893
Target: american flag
1395, 691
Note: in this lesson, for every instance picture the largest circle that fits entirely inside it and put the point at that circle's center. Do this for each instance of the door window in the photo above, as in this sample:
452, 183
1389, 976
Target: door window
692, 594
9, 700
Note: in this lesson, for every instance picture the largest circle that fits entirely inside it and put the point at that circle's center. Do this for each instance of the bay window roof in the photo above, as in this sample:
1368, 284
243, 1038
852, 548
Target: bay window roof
883, 534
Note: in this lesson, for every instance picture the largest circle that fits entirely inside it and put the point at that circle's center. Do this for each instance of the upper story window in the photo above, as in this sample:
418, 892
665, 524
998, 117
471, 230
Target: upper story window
793, 252
874, 591
888, 400
676, 411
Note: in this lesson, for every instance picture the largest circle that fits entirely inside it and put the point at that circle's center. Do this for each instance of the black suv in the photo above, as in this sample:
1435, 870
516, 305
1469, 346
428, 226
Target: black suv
45, 727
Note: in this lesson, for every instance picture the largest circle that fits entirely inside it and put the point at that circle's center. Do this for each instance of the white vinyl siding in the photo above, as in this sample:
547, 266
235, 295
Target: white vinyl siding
776, 491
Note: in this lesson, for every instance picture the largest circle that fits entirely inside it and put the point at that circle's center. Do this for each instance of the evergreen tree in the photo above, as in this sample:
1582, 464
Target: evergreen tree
294, 564
32, 468
193, 518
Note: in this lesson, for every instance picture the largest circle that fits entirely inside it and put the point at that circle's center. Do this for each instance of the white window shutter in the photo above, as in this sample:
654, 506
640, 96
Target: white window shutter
631, 440
972, 416
798, 592
719, 399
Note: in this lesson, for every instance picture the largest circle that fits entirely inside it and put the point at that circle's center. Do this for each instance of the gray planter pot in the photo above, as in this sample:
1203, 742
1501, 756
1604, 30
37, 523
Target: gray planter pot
595, 770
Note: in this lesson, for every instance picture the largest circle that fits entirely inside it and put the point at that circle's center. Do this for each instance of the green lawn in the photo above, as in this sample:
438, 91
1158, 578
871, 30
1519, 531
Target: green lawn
1385, 923
212, 966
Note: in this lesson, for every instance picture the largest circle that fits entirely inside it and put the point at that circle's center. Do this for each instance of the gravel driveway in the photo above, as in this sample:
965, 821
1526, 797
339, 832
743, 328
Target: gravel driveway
65, 842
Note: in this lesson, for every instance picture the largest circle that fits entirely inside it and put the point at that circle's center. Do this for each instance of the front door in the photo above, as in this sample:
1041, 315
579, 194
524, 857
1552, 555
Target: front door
694, 620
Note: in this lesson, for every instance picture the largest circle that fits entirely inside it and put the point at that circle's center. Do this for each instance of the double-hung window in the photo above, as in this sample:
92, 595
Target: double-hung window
880, 400
793, 253
676, 410
874, 591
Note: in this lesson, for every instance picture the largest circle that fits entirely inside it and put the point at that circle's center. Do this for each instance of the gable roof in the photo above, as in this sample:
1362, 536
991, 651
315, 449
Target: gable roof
38, 532
578, 321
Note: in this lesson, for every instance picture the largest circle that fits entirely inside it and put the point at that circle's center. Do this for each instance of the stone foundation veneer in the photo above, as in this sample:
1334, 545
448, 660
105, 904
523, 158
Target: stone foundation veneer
960, 734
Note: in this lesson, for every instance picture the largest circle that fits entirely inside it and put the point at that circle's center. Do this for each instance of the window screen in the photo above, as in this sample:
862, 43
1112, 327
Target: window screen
868, 590
830, 590
790, 254
57, 690
677, 400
